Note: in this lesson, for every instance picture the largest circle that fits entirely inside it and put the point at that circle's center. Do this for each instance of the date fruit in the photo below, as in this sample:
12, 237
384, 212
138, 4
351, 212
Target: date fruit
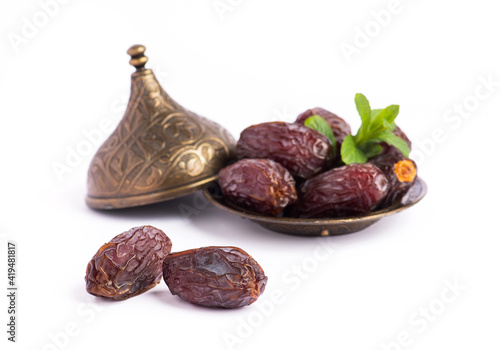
301, 150
223, 277
391, 150
261, 185
339, 126
401, 173
350, 190
129, 265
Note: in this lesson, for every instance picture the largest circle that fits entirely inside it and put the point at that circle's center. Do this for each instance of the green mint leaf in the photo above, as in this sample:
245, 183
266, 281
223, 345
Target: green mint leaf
382, 127
363, 107
371, 149
320, 124
391, 113
384, 120
389, 126
377, 126
350, 153
393, 140
375, 113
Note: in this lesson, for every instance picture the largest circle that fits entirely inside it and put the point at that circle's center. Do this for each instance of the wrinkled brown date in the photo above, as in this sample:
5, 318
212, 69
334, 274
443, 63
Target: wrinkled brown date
350, 190
339, 126
261, 185
388, 149
301, 150
401, 173
223, 277
130, 264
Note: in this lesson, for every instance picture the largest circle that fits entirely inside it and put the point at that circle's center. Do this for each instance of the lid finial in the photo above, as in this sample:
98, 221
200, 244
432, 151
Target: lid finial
138, 59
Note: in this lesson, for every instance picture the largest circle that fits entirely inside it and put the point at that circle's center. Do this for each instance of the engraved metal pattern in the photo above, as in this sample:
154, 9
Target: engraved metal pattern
159, 151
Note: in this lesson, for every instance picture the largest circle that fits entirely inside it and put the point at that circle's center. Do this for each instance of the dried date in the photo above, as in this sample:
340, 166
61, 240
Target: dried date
401, 173
391, 150
350, 190
301, 150
339, 126
223, 277
261, 185
129, 265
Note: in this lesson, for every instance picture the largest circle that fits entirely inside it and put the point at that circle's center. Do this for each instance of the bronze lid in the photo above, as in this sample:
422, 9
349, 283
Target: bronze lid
159, 151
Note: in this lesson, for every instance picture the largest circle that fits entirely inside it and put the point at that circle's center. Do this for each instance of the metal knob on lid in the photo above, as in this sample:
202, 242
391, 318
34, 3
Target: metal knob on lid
138, 60
159, 150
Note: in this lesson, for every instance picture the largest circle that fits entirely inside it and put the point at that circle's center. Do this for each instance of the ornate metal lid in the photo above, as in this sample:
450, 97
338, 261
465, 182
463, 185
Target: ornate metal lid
159, 150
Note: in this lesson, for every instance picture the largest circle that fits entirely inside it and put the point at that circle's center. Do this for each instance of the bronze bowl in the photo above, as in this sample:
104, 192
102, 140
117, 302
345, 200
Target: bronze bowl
317, 227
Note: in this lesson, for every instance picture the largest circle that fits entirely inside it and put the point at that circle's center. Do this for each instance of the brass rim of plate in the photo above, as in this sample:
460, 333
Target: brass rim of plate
323, 227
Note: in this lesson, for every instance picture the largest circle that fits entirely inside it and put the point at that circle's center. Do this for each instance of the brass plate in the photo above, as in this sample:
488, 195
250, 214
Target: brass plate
317, 227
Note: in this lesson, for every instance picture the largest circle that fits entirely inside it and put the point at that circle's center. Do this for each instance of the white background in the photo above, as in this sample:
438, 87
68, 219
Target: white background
258, 61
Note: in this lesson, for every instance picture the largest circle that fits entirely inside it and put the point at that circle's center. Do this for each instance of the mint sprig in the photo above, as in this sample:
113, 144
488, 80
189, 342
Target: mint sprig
318, 123
377, 125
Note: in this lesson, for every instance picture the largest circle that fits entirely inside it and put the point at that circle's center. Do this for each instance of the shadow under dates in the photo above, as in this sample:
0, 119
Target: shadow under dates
225, 225
201, 214
165, 297
167, 209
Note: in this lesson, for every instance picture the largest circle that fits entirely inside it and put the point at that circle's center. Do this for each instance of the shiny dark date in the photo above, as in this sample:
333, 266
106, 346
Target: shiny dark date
388, 149
401, 173
222, 277
339, 126
350, 190
129, 265
260, 185
301, 150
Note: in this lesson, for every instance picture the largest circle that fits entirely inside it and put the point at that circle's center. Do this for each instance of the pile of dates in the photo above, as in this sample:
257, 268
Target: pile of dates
135, 261
292, 170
